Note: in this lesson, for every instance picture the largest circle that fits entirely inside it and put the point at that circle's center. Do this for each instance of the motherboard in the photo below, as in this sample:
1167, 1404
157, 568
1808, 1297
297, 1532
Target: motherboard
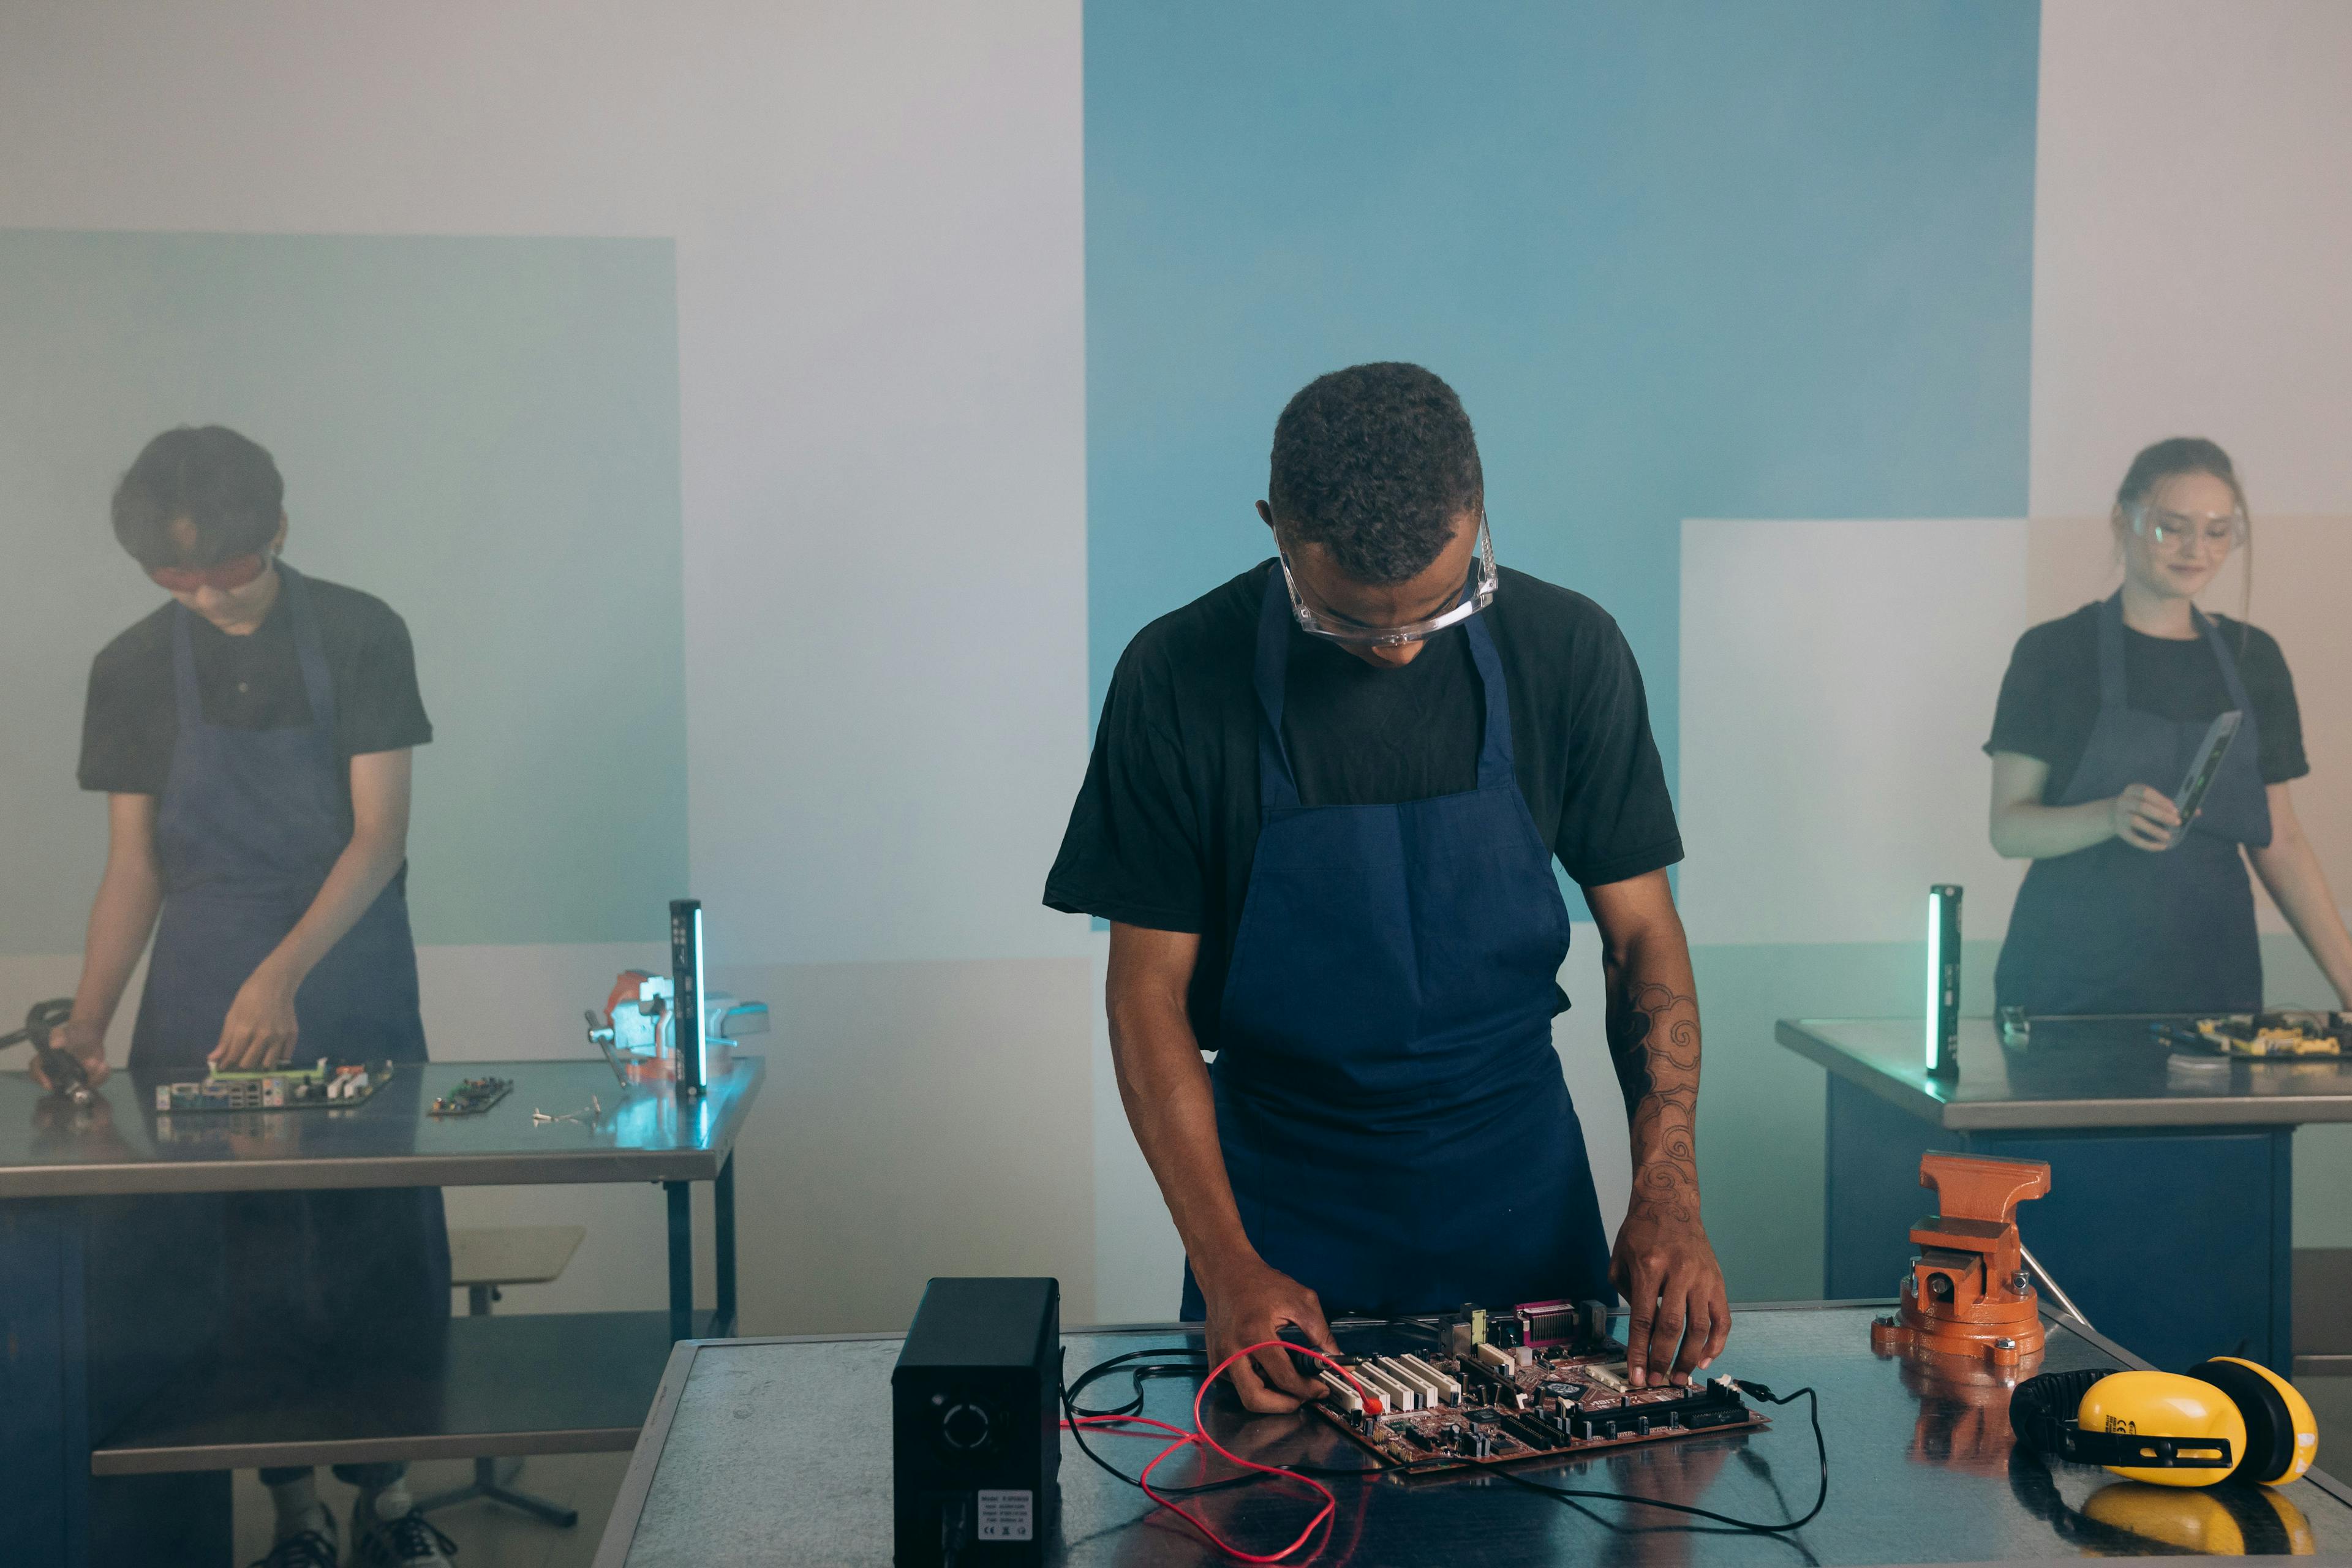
2275, 1033
320, 1088
1542, 1381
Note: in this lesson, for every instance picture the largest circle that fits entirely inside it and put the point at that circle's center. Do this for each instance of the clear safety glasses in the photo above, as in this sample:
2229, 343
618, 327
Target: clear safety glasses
2171, 530
1477, 593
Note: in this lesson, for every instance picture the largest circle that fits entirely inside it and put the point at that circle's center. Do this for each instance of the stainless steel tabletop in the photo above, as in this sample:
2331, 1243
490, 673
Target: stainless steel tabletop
123, 1145
2076, 1072
777, 1452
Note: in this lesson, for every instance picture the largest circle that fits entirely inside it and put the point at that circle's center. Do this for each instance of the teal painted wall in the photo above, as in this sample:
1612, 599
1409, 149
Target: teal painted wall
482, 432
1680, 259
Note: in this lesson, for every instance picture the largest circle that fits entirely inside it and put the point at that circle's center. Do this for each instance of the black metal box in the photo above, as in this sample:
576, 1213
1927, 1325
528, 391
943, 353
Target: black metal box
976, 1425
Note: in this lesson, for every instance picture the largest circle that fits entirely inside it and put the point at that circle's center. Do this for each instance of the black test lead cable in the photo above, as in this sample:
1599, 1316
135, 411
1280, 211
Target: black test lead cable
1570, 1495
1191, 1363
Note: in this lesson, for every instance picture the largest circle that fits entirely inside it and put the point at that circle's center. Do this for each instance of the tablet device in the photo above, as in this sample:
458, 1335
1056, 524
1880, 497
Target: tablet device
2190, 799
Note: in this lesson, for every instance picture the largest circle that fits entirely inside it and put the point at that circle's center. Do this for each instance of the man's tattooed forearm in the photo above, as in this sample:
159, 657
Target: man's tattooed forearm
1654, 1042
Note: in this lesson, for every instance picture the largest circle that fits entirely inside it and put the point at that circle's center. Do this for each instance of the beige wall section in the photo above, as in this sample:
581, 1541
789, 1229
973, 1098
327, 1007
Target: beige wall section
877, 213
2192, 214
2302, 570
1838, 680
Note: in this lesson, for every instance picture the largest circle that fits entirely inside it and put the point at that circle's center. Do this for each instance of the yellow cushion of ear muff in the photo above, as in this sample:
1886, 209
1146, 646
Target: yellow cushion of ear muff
2232, 1521
2164, 1405
2193, 1522
2282, 1433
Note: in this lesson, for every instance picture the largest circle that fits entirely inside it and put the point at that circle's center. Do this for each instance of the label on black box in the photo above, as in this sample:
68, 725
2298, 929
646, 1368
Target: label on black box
1006, 1516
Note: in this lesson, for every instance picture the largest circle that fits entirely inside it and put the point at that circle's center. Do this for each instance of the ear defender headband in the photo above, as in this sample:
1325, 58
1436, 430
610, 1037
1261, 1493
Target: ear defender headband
2223, 1418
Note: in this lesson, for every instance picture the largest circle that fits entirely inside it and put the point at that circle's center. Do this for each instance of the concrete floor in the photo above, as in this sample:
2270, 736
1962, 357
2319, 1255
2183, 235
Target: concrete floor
488, 1535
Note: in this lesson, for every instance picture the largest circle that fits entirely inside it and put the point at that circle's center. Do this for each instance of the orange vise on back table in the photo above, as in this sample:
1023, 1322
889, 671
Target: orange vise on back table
1968, 1293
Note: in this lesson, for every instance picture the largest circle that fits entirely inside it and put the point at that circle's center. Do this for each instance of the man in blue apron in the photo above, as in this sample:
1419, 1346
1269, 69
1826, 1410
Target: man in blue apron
1321, 816
253, 738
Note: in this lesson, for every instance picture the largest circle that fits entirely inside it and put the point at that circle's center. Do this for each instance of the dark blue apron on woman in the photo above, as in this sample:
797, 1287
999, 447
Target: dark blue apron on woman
2112, 929
250, 823
1394, 1122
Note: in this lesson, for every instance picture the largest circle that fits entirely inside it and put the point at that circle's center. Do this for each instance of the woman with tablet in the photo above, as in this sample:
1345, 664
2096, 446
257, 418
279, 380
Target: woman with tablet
2096, 747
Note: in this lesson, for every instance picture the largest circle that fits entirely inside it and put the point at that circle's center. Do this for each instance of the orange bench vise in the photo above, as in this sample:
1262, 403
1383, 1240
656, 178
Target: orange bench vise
1968, 1293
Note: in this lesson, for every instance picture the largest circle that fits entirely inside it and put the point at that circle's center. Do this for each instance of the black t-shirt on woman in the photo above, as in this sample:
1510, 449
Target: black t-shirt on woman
2050, 698
1166, 825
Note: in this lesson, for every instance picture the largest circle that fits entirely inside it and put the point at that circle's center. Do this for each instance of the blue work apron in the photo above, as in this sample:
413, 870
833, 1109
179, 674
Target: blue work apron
250, 823
1394, 1119
2112, 929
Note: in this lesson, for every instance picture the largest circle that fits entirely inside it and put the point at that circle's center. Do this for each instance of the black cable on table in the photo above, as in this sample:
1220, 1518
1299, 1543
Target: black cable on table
1570, 1495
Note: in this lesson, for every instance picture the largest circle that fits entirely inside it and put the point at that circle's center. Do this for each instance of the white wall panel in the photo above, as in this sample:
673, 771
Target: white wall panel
1838, 679
2192, 214
877, 217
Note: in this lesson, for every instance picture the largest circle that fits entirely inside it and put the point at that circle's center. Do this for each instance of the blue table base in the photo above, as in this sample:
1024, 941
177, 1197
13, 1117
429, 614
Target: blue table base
2175, 1241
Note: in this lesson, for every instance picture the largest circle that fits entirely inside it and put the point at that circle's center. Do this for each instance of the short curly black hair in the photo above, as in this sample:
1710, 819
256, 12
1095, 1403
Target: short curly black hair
226, 484
1378, 464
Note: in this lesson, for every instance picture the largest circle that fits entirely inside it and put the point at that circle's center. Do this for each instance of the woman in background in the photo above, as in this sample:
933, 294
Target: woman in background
253, 741
2126, 908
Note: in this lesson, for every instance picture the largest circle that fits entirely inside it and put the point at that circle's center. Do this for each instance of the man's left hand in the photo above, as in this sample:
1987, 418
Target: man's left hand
1679, 1312
260, 1028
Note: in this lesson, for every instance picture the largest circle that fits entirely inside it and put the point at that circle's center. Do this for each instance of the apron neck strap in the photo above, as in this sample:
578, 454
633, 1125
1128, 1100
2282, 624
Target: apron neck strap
2231, 678
2112, 693
310, 650
1278, 785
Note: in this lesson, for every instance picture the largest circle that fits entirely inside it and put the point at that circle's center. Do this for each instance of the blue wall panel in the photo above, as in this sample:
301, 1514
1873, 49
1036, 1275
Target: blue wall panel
1681, 260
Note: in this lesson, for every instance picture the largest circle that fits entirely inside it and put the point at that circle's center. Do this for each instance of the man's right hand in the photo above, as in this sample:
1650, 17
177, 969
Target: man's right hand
1249, 1303
81, 1040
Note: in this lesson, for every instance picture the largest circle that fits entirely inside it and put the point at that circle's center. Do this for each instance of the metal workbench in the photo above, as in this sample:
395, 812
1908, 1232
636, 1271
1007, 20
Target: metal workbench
776, 1452
121, 1412
2171, 1202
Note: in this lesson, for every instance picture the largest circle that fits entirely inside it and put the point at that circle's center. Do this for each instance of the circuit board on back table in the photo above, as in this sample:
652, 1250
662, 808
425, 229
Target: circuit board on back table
1540, 1382
320, 1088
2275, 1034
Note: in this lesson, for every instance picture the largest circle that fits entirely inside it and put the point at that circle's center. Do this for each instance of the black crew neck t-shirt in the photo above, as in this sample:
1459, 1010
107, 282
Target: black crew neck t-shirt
2050, 698
131, 720
1166, 823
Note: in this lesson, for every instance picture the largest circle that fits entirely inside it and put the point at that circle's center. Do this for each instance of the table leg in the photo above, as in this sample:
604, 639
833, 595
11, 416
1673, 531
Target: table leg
681, 1258
722, 1203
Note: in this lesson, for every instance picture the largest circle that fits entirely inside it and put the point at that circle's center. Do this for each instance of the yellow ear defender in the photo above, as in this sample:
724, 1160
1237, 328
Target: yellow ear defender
2222, 1418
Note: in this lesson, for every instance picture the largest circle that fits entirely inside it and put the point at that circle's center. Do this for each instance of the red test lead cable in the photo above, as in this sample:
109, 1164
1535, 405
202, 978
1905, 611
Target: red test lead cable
1144, 1426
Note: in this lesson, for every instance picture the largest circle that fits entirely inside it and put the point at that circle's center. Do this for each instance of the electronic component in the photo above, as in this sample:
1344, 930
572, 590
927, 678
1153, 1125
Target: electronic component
320, 1088
2189, 798
1943, 1044
2273, 1034
685, 982
471, 1096
1490, 1408
1549, 1325
976, 1436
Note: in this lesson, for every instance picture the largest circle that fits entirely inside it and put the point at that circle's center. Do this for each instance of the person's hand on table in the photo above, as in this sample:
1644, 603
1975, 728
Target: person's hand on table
82, 1040
2145, 817
1678, 1311
1248, 1303
260, 1028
